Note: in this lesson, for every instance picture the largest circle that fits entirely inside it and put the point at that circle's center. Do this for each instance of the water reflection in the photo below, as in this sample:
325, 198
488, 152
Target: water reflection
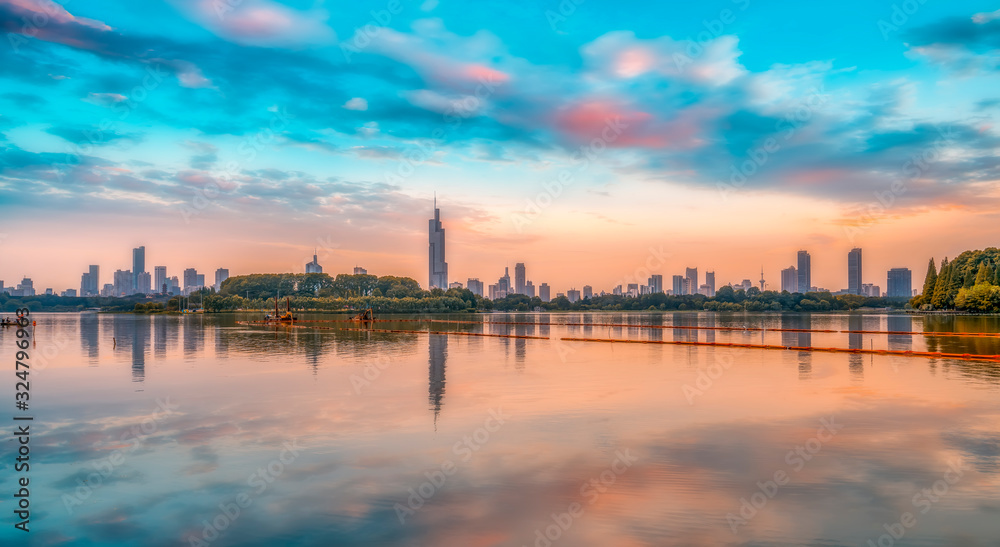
438, 355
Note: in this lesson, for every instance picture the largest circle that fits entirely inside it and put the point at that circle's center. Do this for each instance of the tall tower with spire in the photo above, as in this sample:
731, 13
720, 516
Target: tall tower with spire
438, 268
761, 278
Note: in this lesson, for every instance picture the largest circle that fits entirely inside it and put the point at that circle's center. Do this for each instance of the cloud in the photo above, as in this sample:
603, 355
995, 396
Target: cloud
260, 22
357, 103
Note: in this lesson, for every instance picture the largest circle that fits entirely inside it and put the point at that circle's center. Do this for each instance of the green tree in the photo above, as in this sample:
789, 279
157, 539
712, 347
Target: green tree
983, 276
941, 286
929, 281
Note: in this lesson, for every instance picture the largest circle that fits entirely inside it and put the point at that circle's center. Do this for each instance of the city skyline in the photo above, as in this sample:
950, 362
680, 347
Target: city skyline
741, 157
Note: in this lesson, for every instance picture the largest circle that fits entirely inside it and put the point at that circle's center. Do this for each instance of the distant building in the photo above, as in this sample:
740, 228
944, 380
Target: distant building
544, 292
804, 272
678, 285
108, 290
358, 270
89, 282
519, 278
617, 291
854, 271
705, 289
452, 285
588, 292
48, 292
68, 293
475, 285
790, 279
123, 280
745, 285
143, 283
221, 275
138, 267
173, 285
633, 290
191, 280
438, 268
655, 283
503, 283
899, 283
160, 280
529, 289
870, 290
710, 281
691, 274
573, 295
311, 267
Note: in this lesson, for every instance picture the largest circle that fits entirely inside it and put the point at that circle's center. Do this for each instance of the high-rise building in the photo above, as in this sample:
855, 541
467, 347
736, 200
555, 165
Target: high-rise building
200, 281
504, 282
529, 289
678, 285
519, 278
160, 279
221, 275
173, 285
790, 279
437, 266
358, 270
190, 280
655, 283
573, 295
314, 267
455, 285
67, 293
475, 285
691, 274
138, 266
899, 283
108, 290
871, 290
854, 271
89, 282
804, 272
544, 292
123, 283
143, 281
633, 290
710, 281
588, 291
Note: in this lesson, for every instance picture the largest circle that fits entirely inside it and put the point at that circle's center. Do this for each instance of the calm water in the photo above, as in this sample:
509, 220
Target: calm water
158, 430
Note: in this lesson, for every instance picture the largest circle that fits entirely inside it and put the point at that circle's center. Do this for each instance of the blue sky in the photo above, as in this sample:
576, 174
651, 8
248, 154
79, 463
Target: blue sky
245, 133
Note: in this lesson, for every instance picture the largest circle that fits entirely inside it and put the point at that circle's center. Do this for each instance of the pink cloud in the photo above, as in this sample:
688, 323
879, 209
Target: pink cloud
260, 22
589, 120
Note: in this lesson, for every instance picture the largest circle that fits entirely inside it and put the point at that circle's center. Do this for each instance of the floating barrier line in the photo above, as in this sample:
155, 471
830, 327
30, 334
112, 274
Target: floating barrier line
929, 354
681, 327
407, 331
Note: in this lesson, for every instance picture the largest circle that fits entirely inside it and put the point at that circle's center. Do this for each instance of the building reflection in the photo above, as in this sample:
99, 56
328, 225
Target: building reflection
856, 340
90, 330
437, 358
900, 323
799, 339
140, 344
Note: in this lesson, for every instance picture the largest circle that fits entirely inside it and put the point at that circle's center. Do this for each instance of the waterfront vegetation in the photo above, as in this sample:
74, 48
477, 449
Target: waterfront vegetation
970, 282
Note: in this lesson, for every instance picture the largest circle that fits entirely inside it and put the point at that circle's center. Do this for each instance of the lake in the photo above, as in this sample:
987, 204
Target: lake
198, 430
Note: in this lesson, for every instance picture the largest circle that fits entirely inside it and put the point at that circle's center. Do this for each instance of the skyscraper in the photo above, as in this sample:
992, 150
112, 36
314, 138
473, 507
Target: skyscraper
588, 291
854, 271
190, 280
142, 283
678, 288
160, 279
221, 275
899, 283
691, 275
655, 283
544, 292
790, 279
437, 266
89, 282
529, 289
710, 281
314, 267
804, 272
519, 278
138, 265
475, 285
124, 283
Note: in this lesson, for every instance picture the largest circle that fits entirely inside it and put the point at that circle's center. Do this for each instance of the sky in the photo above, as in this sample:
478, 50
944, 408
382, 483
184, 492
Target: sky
595, 142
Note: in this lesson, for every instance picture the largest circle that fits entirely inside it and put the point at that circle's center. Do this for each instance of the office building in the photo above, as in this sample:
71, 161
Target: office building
455, 285
519, 278
475, 285
438, 268
678, 285
48, 292
790, 279
691, 275
899, 283
588, 291
143, 282
573, 295
854, 271
123, 283
2, 290
160, 279
504, 282
804, 271
705, 289
529, 289
108, 290
633, 290
358, 270
314, 267
544, 292
710, 281
871, 290
89, 282
190, 280
67, 293
745, 285
138, 266
221, 275
655, 283
173, 285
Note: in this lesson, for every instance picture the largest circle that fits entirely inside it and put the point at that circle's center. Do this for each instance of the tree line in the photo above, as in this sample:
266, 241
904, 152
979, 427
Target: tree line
970, 282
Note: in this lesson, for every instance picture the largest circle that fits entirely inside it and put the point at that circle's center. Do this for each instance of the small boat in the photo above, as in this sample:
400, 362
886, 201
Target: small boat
287, 317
